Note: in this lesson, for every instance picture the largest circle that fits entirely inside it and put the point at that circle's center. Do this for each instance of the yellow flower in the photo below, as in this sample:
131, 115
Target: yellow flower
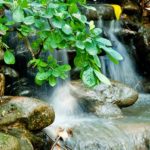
117, 10
92, 25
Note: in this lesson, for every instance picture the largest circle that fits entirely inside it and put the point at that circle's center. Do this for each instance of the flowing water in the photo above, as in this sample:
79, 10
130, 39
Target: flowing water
126, 70
92, 133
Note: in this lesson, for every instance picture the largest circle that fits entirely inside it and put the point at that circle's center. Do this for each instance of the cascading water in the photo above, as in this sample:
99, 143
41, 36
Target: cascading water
125, 71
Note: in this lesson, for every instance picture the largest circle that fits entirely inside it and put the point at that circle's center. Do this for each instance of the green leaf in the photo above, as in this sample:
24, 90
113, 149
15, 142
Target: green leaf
43, 75
56, 73
67, 29
23, 3
18, 14
80, 17
29, 20
58, 23
39, 82
97, 31
80, 44
63, 76
113, 59
104, 41
97, 61
73, 8
3, 29
114, 54
64, 68
9, 57
88, 77
25, 30
48, 13
50, 43
52, 81
91, 48
42, 64
102, 78
80, 61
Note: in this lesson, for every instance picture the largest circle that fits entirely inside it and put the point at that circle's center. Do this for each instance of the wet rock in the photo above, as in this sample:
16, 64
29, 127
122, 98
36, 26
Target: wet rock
26, 138
8, 142
23, 118
108, 110
20, 87
130, 7
103, 11
143, 48
34, 113
106, 1
25, 144
118, 93
7, 71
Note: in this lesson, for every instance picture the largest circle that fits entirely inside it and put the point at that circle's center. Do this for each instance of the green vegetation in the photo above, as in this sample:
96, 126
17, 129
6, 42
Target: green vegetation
56, 24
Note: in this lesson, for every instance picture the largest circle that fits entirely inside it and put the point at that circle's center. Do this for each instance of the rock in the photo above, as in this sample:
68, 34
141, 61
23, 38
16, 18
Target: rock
106, 1
21, 87
118, 93
108, 110
8, 142
25, 144
34, 113
143, 48
131, 7
103, 11
7, 71
26, 138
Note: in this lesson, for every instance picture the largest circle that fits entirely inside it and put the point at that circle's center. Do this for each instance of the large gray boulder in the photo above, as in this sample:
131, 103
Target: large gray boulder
92, 98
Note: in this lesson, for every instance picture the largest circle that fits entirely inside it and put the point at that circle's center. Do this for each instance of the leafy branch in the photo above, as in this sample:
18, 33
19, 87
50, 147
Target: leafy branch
57, 24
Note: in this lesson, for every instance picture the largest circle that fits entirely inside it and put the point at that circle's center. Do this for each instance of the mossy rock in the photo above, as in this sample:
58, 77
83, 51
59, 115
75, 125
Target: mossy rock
33, 113
8, 142
25, 137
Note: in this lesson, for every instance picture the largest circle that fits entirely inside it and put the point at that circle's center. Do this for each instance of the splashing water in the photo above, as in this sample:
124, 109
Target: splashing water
63, 102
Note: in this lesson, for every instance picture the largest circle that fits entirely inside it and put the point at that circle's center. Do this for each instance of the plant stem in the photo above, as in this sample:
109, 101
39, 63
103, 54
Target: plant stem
26, 40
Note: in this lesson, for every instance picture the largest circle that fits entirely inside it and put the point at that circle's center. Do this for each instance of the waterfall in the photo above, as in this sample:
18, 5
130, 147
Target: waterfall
125, 71
62, 101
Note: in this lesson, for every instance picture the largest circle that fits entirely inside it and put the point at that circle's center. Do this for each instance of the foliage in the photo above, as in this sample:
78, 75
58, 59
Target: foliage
57, 24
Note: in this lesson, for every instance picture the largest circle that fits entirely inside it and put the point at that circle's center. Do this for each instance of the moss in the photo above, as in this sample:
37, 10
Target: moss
8, 142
